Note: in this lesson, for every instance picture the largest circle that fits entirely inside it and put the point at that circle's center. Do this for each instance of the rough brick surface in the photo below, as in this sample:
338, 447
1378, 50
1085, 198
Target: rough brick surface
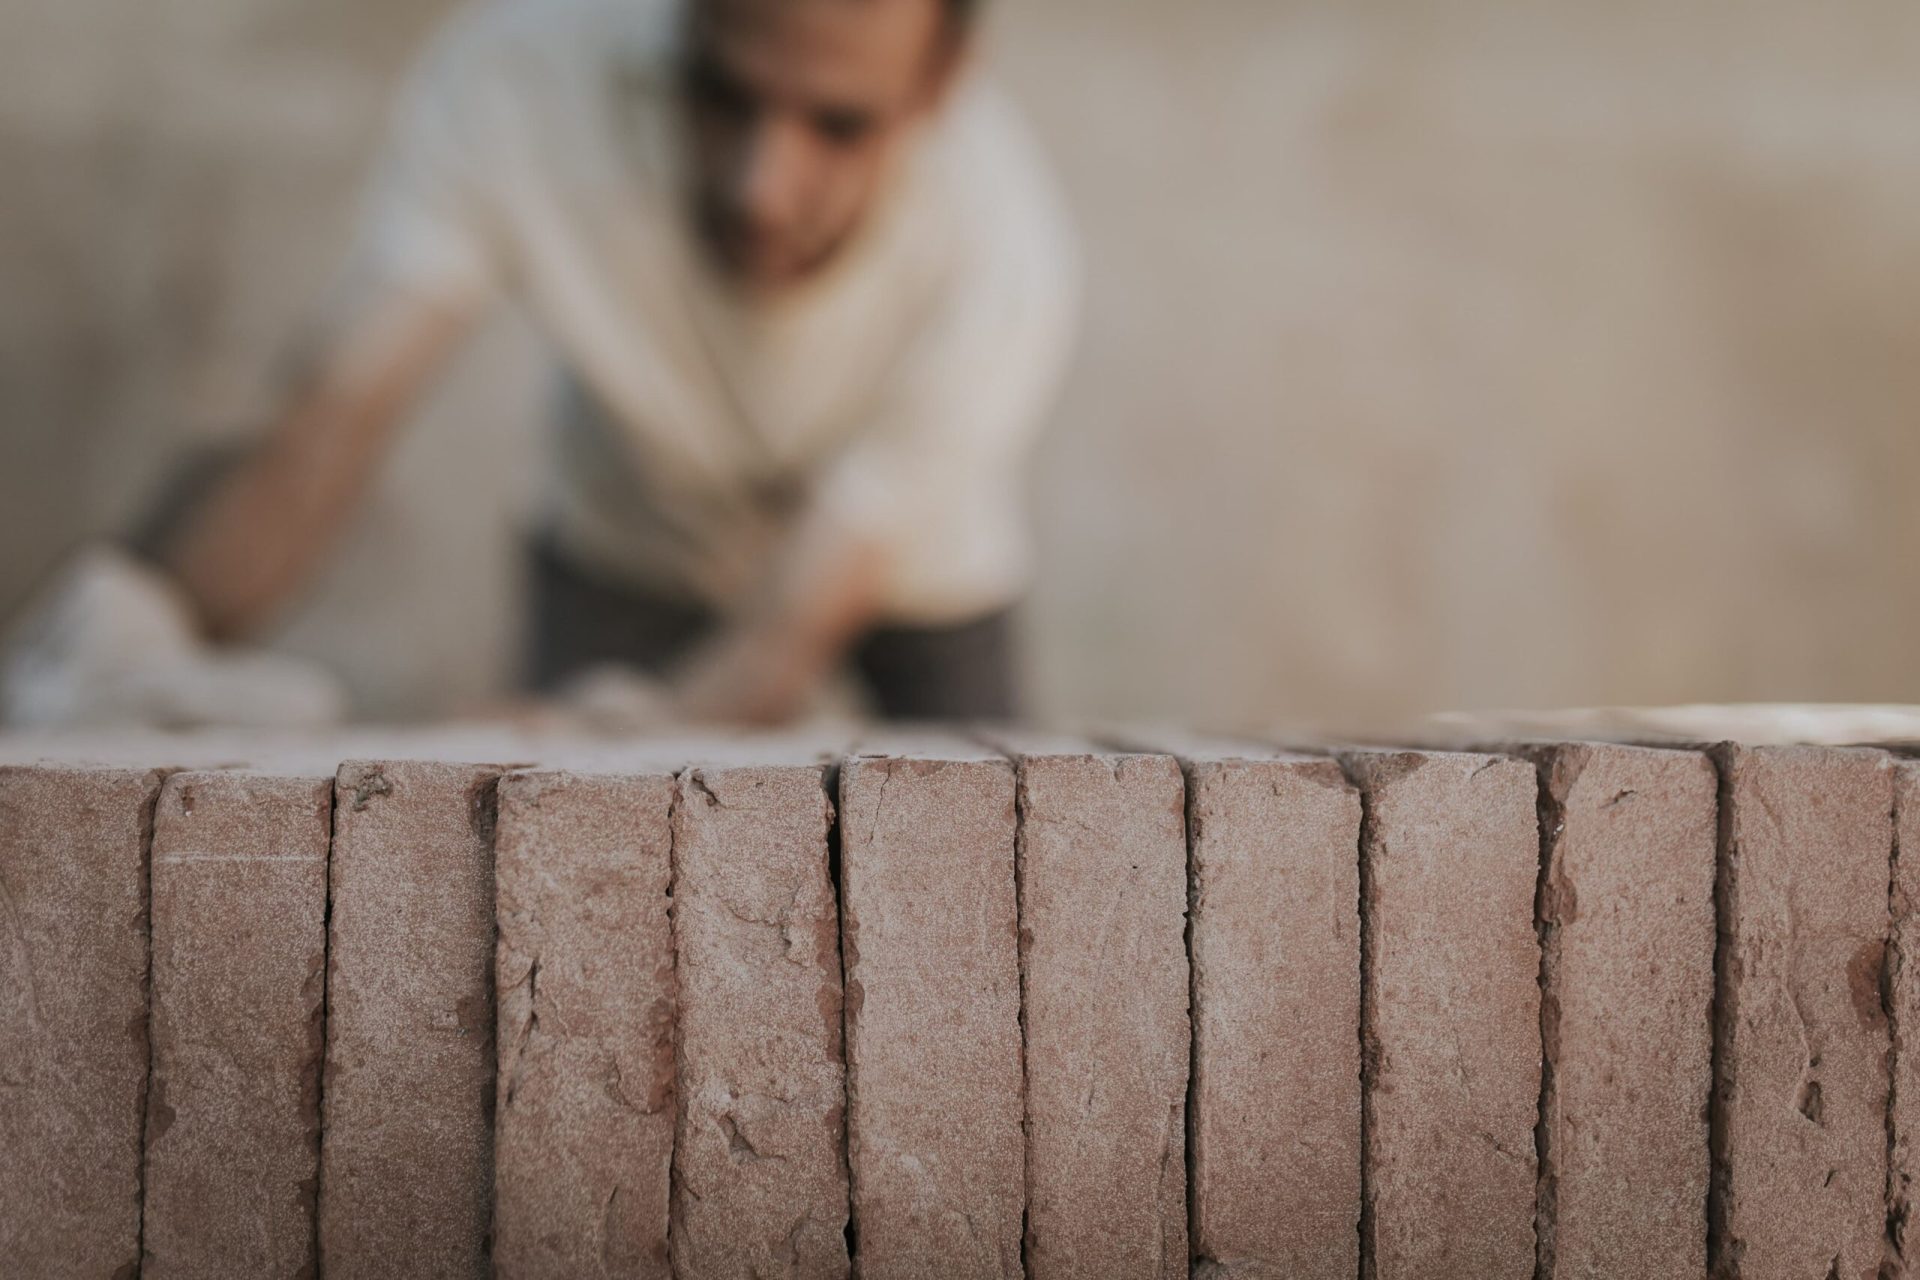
761, 1178
1626, 915
1452, 1018
933, 1013
1904, 993
239, 955
406, 1160
586, 998
73, 1018
1276, 987
1102, 870
1800, 1097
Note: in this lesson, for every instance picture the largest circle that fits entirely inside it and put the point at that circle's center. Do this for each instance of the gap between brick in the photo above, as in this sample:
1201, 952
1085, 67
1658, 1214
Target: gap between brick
830, 784
1550, 806
326, 1010
681, 780
1892, 971
1021, 808
1723, 1253
1369, 1011
148, 812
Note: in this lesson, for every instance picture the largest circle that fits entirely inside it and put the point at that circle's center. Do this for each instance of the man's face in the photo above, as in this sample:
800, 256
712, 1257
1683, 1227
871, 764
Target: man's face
798, 110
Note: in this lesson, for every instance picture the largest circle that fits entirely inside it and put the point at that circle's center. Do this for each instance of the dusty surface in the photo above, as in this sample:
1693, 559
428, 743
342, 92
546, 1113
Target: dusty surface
73, 1018
761, 1175
585, 976
928, 925
1626, 914
1102, 871
1799, 1123
406, 1159
1452, 1013
239, 956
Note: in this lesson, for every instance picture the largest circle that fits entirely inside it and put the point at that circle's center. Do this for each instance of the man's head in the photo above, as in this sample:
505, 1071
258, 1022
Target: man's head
799, 108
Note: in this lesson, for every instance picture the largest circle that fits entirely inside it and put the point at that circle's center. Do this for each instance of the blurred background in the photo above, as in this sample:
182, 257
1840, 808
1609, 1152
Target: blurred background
1478, 354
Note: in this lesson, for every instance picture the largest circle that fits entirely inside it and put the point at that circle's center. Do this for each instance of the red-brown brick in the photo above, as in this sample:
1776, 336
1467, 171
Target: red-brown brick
1452, 1013
406, 1161
239, 951
933, 1011
73, 1017
1628, 928
1102, 871
1800, 1101
1904, 990
586, 1005
761, 1179
1275, 848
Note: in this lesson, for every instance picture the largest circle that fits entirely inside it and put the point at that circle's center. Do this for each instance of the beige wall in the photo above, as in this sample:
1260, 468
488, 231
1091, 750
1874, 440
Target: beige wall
1472, 354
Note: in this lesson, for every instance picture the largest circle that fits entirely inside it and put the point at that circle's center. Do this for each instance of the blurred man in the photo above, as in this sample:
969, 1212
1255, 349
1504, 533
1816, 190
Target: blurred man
811, 290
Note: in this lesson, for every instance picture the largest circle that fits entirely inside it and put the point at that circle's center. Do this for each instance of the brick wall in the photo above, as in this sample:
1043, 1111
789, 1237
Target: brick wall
949, 1006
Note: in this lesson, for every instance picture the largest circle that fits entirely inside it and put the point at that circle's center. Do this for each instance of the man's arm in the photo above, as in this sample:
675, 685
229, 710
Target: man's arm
257, 536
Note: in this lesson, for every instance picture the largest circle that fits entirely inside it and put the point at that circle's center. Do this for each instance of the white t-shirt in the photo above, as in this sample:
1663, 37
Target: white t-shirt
537, 153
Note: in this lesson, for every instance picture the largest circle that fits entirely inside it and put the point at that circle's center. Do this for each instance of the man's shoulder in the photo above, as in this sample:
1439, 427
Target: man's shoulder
985, 166
509, 46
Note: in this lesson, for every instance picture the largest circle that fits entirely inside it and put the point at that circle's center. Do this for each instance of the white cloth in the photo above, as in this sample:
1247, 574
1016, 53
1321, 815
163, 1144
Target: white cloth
110, 642
535, 153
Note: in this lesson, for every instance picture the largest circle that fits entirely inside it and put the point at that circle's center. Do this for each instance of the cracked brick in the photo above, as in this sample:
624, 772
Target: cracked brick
760, 1178
407, 1144
1801, 1077
1626, 918
585, 976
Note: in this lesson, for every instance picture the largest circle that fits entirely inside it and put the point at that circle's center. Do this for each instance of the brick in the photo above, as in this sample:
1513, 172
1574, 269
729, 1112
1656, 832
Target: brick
1102, 870
1275, 848
73, 1017
1451, 1013
586, 1006
928, 924
407, 1152
761, 1177
1903, 989
239, 955
1800, 1094
1627, 924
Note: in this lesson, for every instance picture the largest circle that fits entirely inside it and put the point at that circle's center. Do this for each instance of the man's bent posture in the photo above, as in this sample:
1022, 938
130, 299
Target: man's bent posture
811, 290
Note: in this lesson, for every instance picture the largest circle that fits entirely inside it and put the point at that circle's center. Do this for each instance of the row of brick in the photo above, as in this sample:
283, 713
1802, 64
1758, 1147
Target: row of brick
957, 1010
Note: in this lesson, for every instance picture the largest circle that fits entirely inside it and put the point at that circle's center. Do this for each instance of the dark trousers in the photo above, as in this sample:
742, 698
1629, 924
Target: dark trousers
579, 621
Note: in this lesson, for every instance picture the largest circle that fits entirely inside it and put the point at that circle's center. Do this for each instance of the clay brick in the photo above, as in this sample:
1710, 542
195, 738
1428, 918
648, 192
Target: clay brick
73, 1017
1451, 1013
1275, 849
586, 1006
1102, 871
761, 1178
239, 955
1627, 925
1800, 1094
1904, 1002
928, 924
406, 1153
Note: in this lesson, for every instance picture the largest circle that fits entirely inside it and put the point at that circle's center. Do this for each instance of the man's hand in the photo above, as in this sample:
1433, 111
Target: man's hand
762, 669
